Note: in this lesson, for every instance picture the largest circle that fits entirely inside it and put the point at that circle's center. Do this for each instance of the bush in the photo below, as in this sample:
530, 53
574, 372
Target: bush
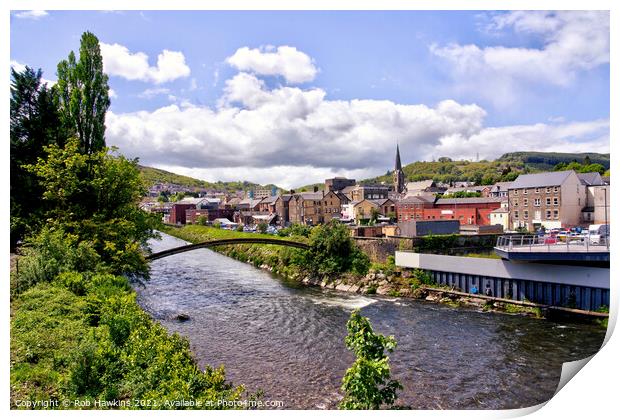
367, 384
49, 254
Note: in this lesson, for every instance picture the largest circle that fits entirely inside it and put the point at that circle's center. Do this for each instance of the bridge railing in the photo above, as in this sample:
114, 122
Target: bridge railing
562, 243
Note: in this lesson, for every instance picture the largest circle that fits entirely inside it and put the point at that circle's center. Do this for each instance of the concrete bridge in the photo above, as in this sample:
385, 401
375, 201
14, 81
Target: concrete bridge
220, 242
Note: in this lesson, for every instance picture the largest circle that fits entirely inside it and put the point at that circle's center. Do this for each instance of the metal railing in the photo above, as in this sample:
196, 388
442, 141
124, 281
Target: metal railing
561, 243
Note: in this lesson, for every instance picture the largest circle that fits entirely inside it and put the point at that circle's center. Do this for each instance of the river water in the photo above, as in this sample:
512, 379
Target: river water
288, 340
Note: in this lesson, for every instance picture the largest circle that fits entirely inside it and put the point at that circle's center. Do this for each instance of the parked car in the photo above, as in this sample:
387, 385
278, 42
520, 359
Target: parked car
551, 239
598, 234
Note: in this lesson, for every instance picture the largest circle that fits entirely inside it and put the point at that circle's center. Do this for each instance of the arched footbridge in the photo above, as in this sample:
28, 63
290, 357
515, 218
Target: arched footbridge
220, 242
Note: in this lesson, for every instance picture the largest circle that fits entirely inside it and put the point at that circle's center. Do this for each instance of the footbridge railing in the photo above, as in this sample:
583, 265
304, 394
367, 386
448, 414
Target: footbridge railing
220, 242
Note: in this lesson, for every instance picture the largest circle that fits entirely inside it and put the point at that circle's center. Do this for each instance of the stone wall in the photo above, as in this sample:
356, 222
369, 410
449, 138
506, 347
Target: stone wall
378, 249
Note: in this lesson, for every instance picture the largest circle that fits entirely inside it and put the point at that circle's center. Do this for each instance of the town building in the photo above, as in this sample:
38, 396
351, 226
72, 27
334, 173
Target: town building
424, 187
499, 189
412, 207
549, 199
178, 213
366, 192
338, 183
282, 209
468, 211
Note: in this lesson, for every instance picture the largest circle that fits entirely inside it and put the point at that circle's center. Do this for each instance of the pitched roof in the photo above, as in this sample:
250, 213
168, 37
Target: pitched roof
469, 200
418, 199
310, 195
419, 185
590, 178
348, 189
543, 179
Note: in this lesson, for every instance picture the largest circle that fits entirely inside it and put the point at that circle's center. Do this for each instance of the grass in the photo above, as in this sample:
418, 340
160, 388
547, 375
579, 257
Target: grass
491, 255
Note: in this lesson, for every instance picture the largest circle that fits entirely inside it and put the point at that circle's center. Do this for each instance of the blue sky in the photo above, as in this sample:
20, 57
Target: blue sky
293, 97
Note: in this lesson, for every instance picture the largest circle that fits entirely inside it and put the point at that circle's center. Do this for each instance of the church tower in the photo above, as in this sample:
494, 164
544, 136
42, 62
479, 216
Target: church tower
399, 175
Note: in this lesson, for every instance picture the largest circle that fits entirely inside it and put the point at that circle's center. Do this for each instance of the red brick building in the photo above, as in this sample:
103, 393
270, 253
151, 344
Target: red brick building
468, 211
412, 208
177, 214
192, 215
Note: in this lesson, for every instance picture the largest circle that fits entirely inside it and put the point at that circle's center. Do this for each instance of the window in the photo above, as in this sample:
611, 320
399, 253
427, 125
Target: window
515, 203
525, 201
556, 214
556, 201
524, 190
548, 201
548, 189
537, 190
548, 214
556, 189
516, 192
526, 214
516, 214
537, 202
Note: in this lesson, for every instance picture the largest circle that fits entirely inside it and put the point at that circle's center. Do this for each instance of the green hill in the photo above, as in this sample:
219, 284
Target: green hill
154, 175
544, 161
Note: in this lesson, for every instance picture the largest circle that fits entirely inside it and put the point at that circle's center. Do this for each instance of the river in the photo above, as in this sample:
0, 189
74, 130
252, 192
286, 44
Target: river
288, 340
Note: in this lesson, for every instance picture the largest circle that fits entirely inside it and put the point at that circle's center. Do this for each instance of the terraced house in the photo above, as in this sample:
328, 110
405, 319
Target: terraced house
549, 199
315, 207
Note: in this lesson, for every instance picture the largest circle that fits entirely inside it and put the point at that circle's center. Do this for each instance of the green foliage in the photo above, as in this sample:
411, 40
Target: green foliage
202, 220
579, 167
462, 194
57, 354
262, 227
436, 243
544, 161
423, 277
83, 95
367, 384
296, 229
49, 254
332, 251
94, 198
152, 176
239, 228
35, 123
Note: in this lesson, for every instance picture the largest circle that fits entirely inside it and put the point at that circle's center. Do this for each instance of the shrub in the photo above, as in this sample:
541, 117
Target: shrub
367, 383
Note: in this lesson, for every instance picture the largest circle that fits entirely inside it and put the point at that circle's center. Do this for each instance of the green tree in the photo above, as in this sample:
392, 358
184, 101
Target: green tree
333, 251
101, 208
587, 161
83, 95
367, 384
262, 227
201, 220
35, 123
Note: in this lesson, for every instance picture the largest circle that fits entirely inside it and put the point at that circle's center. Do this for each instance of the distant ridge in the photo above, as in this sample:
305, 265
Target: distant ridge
547, 160
154, 175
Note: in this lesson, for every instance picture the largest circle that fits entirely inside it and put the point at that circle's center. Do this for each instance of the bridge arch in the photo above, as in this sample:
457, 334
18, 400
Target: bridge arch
219, 242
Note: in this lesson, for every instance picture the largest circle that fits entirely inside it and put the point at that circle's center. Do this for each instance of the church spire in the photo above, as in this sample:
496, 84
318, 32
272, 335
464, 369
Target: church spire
399, 175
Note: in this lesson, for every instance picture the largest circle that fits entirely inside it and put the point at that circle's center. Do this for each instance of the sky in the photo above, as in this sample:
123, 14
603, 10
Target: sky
292, 98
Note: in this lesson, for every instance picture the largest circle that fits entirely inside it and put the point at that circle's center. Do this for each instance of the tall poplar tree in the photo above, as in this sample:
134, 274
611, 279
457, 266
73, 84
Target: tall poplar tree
83, 95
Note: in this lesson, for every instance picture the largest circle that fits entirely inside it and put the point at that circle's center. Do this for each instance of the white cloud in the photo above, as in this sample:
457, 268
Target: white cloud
112, 93
17, 66
152, 92
31, 14
295, 66
587, 136
572, 42
119, 61
291, 136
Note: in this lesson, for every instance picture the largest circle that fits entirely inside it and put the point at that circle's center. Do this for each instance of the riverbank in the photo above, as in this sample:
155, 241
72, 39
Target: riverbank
382, 279
79, 340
